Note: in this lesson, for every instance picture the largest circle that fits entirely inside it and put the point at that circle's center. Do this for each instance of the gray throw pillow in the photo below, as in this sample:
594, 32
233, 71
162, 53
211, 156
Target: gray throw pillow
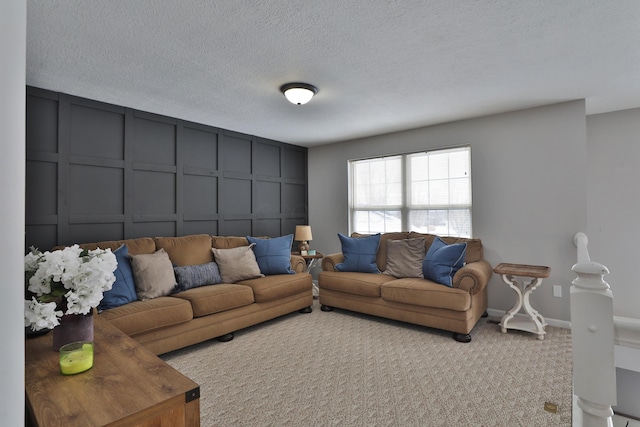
237, 264
153, 275
405, 257
193, 276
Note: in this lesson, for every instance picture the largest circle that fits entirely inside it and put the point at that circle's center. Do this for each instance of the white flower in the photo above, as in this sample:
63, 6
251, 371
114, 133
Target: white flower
79, 276
31, 261
41, 316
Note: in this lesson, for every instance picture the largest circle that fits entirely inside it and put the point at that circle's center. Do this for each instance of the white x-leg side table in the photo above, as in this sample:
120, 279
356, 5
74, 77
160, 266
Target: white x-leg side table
312, 261
535, 273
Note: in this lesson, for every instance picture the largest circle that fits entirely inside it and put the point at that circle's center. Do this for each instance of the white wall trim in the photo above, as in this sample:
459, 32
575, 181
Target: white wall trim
626, 331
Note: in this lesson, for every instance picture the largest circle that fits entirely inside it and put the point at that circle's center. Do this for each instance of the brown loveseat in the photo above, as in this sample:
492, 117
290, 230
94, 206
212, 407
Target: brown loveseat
167, 323
413, 300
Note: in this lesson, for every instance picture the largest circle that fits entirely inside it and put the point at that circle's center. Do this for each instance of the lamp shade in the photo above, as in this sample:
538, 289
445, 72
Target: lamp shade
303, 233
298, 93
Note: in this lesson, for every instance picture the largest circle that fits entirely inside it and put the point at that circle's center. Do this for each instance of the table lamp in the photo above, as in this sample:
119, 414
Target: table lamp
303, 234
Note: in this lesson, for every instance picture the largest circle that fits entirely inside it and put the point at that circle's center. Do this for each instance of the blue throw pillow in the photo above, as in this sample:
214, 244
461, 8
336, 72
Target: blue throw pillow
193, 276
124, 288
273, 255
359, 253
442, 261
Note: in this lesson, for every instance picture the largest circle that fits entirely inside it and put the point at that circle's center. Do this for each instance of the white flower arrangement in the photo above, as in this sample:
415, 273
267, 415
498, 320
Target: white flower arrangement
80, 276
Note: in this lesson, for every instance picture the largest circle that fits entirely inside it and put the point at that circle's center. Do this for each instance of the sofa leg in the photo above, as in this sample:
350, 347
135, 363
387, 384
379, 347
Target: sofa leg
225, 338
306, 310
461, 337
485, 314
326, 308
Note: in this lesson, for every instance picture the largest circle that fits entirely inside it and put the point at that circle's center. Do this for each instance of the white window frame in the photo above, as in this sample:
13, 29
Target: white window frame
399, 205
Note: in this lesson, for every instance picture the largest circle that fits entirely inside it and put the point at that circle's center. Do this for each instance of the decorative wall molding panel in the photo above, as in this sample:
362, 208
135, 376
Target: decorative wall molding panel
97, 171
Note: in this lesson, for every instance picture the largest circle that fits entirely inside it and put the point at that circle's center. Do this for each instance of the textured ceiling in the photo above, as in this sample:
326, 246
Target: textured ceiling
380, 65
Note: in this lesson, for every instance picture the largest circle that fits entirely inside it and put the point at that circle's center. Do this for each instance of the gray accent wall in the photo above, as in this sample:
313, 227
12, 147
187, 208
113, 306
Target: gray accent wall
97, 171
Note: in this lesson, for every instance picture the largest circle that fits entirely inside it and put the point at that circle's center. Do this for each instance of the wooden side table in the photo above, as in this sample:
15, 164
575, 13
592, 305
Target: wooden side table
536, 273
312, 261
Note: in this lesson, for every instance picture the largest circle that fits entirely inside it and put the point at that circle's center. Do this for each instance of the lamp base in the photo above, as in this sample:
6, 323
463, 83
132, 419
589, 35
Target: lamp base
304, 246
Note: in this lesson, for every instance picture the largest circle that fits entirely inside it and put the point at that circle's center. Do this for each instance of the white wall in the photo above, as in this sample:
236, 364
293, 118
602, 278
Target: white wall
613, 203
13, 24
529, 191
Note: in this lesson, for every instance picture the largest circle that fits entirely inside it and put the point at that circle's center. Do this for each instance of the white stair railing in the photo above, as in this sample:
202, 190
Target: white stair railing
592, 336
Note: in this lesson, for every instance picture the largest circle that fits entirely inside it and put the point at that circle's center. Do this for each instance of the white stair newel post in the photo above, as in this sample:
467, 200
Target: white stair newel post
592, 335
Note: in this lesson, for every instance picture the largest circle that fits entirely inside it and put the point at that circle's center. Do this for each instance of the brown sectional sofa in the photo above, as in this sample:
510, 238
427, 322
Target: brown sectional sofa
413, 300
171, 322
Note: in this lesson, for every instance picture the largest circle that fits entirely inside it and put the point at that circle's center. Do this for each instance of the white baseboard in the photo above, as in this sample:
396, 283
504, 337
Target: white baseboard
626, 331
626, 337
551, 322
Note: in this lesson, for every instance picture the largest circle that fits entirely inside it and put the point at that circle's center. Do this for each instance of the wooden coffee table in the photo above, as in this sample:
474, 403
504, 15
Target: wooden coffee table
127, 386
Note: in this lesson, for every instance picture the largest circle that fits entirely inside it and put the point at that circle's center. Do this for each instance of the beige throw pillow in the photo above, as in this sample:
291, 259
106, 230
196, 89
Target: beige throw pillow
153, 274
405, 257
237, 264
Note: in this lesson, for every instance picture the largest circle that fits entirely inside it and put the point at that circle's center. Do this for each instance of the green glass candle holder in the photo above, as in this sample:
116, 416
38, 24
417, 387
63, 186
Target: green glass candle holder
76, 357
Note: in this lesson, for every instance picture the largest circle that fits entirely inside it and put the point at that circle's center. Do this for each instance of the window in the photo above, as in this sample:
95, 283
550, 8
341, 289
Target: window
427, 192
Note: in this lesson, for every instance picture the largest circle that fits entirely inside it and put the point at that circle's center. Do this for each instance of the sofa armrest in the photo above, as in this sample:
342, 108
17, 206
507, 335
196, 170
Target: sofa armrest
473, 277
329, 261
298, 264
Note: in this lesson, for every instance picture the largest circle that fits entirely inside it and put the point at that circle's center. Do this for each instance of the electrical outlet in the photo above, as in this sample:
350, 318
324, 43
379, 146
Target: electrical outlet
557, 291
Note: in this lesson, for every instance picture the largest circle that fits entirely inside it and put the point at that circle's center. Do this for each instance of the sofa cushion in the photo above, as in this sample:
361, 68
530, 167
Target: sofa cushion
275, 287
142, 245
474, 246
442, 261
143, 316
425, 293
215, 299
273, 255
359, 253
381, 257
123, 290
153, 275
187, 250
193, 276
237, 264
365, 284
228, 242
405, 257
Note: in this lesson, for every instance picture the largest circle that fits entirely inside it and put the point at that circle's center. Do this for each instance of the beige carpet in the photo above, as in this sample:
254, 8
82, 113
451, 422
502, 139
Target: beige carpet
346, 369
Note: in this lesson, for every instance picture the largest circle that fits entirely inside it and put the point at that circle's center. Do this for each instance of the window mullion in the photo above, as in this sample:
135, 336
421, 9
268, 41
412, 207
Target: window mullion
406, 192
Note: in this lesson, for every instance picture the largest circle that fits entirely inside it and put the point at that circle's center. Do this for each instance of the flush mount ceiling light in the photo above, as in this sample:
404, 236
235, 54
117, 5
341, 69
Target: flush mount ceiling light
298, 93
